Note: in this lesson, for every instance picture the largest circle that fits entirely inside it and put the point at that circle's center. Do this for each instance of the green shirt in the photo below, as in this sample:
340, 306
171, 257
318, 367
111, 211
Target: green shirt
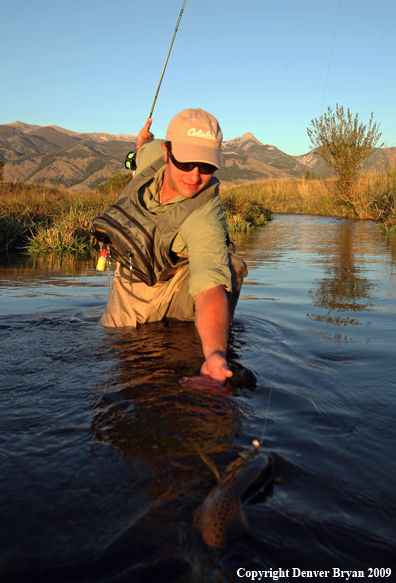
202, 236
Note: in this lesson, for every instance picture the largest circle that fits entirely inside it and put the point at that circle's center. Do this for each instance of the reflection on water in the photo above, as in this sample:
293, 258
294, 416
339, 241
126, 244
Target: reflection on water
347, 254
344, 289
41, 266
101, 472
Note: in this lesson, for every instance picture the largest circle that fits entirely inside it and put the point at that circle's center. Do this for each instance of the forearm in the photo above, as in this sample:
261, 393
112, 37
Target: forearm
212, 322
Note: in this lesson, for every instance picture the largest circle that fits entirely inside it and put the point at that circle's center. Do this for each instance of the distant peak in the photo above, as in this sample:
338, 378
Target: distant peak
23, 127
249, 137
242, 144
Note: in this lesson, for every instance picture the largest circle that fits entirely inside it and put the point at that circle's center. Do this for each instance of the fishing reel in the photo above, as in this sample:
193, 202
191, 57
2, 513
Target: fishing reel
130, 161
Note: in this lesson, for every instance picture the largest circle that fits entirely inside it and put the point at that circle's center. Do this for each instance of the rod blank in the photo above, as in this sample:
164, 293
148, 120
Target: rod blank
167, 58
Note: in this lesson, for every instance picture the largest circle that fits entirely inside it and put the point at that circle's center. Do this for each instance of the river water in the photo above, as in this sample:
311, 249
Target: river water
100, 470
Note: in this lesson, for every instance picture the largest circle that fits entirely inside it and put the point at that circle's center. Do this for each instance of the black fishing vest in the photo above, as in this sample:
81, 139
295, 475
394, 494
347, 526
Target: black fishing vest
141, 241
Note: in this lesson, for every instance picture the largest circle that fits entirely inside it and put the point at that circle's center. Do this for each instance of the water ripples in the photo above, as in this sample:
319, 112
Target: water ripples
100, 443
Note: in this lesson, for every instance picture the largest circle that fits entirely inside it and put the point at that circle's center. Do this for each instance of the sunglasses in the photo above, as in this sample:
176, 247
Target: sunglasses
203, 168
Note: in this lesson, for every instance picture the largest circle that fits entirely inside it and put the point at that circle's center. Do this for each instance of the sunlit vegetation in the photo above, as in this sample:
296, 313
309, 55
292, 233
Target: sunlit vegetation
37, 218
244, 213
344, 144
374, 196
34, 217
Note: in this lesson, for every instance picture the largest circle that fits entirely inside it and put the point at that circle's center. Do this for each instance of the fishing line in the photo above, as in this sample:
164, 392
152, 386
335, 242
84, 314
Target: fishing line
331, 56
256, 442
166, 62
110, 280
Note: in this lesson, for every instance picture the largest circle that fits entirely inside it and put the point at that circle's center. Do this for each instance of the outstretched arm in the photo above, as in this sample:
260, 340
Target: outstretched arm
212, 323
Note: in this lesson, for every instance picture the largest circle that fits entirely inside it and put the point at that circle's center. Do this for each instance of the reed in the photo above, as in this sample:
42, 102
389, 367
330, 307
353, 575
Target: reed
284, 196
68, 231
381, 188
38, 218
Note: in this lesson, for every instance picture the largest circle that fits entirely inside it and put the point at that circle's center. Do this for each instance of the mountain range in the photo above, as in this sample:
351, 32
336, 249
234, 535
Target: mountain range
81, 161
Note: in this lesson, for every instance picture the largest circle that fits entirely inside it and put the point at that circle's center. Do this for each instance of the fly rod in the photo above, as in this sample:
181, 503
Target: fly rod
130, 160
167, 58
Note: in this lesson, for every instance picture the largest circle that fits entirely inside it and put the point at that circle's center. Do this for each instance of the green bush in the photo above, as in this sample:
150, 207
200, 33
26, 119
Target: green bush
243, 213
344, 145
115, 184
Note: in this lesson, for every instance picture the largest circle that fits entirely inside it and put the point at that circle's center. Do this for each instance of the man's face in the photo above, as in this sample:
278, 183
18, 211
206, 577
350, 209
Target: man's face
186, 183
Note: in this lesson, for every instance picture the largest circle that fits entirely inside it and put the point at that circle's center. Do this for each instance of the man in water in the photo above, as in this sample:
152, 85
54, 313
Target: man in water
205, 280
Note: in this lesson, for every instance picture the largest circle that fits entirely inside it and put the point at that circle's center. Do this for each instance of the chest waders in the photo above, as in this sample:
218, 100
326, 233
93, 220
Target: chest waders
141, 241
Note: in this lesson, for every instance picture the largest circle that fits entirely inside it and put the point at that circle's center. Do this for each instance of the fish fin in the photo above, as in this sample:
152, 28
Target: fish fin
210, 463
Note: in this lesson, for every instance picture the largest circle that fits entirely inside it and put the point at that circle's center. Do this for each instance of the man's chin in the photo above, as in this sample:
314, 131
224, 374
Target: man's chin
190, 192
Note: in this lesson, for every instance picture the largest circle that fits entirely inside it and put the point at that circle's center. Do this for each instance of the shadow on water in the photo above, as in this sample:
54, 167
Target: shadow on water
100, 444
153, 416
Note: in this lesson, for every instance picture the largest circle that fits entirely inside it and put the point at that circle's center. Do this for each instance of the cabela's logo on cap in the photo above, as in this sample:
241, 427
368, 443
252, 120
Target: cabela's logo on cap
201, 134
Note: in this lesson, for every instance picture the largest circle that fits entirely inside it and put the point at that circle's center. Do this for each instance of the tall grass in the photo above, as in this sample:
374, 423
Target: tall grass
40, 218
282, 195
381, 190
46, 219
244, 213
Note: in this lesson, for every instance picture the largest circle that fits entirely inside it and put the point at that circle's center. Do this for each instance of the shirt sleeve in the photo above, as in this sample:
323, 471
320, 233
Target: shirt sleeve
202, 237
147, 154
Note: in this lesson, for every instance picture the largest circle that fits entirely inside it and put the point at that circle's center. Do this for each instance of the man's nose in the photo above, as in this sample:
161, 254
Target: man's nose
194, 175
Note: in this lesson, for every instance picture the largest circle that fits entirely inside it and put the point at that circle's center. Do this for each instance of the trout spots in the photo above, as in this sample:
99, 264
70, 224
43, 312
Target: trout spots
221, 518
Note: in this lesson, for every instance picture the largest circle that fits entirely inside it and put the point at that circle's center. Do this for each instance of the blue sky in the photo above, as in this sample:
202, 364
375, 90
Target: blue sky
266, 67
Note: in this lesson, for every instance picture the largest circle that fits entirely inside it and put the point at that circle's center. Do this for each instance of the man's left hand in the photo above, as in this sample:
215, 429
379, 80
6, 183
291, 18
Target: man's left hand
145, 136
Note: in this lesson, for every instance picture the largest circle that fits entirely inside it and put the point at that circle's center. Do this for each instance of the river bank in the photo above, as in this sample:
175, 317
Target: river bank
373, 197
39, 218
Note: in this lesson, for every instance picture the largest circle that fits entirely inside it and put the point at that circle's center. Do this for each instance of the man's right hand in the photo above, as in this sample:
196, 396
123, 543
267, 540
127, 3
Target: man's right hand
145, 136
216, 367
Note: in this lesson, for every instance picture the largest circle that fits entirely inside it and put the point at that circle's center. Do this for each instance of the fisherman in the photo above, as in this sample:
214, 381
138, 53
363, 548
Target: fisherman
205, 280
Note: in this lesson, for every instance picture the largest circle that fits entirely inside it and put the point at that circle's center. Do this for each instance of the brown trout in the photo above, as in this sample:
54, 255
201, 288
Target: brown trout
221, 518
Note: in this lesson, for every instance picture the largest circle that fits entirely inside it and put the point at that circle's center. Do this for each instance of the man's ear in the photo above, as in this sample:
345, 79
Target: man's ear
164, 149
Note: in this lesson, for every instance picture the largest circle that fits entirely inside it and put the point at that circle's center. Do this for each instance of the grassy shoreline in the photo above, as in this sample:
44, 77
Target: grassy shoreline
38, 218
374, 197
34, 218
